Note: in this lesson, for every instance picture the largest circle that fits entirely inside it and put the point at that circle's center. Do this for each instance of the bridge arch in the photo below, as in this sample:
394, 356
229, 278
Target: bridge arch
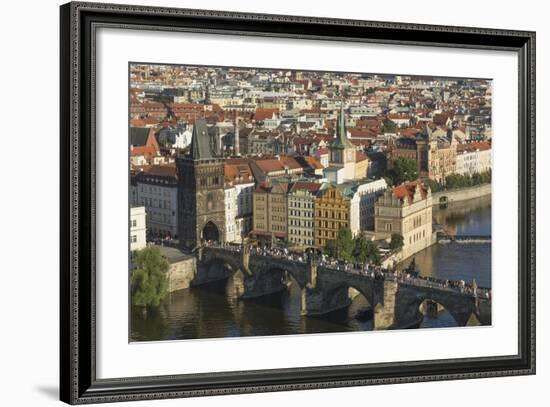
434, 310
460, 307
215, 269
343, 294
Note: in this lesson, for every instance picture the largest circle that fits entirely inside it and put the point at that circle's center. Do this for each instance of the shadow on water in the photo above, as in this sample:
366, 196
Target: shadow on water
213, 311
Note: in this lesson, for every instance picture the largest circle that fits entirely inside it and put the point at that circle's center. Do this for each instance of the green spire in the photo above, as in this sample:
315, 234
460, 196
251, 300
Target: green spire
341, 140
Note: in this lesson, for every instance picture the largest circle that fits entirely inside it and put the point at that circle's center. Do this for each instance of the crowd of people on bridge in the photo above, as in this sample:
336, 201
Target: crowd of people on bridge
408, 276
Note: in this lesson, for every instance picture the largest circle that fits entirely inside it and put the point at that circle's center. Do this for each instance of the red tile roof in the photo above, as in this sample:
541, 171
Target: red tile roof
408, 189
474, 146
308, 186
146, 151
265, 113
166, 170
237, 173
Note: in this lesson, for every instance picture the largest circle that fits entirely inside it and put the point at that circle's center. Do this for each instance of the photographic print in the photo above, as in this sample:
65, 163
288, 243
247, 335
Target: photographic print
276, 202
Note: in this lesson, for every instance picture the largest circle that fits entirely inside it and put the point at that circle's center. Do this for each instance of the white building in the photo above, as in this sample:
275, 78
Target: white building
230, 204
137, 228
473, 158
238, 211
157, 191
243, 197
368, 194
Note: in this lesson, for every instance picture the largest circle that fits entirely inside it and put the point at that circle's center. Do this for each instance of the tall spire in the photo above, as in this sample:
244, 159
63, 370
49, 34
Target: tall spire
341, 140
201, 147
207, 90
236, 148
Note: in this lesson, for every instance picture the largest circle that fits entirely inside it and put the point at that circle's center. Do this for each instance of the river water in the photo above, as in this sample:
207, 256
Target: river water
213, 310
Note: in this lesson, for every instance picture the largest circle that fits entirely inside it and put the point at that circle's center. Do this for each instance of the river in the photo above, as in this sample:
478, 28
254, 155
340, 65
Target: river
213, 310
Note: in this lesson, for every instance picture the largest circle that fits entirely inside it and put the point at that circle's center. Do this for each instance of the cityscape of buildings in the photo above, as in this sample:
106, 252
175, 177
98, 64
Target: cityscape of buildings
292, 157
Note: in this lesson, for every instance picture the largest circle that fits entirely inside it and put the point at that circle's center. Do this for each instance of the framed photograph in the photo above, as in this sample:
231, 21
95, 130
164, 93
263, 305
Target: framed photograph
255, 203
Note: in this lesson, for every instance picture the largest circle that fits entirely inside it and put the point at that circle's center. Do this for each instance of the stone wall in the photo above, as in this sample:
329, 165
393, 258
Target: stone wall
462, 194
181, 274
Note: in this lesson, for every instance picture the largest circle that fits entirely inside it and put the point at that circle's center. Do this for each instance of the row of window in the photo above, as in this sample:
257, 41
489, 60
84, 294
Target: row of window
154, 203
300, 232
209, 181
333, 215
330, 225
306, 214
298, 222
301, 241
417, 236
298, 204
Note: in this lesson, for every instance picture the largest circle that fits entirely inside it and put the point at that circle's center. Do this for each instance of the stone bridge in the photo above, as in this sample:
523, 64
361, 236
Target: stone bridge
396, 301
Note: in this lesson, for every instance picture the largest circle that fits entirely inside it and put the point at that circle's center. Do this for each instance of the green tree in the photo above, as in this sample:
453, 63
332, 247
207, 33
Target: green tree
388, 126
365, 250
330, 249
373, 253
434, 186
342, 247
360, 248
403, 169
396, 242
149, 277
454, 181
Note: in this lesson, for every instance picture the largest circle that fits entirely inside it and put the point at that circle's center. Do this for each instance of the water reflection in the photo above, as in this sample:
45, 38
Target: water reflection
460, 261
470, 218
214, 311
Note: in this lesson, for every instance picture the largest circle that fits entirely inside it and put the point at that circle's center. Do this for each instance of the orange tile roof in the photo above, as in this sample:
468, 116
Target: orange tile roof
147, 151
470, 147
166, 170
313, 162
265, 113
308, 186
407, 190
237, 173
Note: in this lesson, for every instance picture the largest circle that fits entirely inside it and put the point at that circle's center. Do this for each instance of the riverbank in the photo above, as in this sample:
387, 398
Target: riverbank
462, 194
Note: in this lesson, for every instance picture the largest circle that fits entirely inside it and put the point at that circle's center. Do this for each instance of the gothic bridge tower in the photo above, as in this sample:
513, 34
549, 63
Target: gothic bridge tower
201, 209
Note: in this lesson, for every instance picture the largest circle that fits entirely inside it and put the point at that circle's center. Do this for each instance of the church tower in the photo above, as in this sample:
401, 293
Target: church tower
342, 151
201, 211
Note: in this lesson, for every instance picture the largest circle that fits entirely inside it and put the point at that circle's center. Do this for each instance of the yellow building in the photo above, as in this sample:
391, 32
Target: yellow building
406, 210
332, 212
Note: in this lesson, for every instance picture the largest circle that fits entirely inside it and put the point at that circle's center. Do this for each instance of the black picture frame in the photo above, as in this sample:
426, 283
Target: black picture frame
78, 382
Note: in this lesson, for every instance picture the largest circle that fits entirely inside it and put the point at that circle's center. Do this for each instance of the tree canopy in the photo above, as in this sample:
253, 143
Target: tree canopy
345, 247
403, 169
149, 283
434, 186
388, 126
463, 181
396, 242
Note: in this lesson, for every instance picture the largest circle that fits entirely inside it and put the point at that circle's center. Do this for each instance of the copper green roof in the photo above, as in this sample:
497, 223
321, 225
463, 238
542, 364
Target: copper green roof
341, 140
